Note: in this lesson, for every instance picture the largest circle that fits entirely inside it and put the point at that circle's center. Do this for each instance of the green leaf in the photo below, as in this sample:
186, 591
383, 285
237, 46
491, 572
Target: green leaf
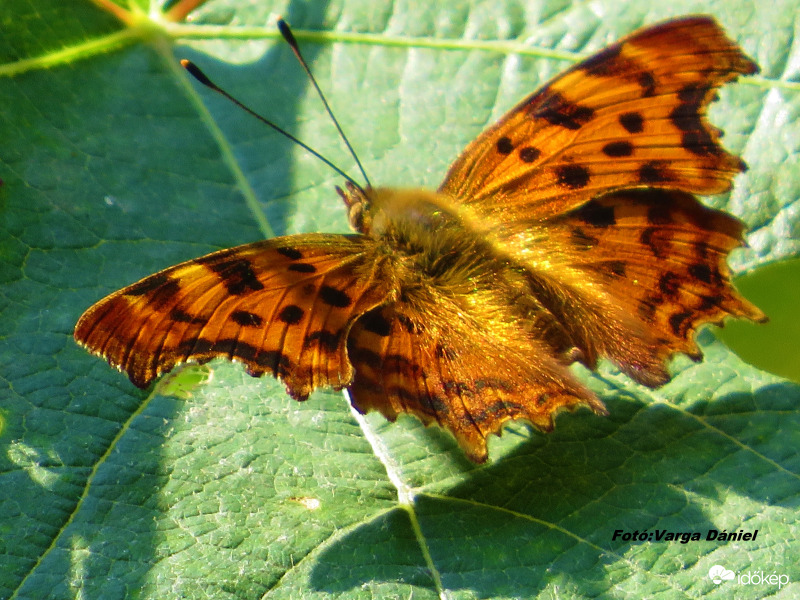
116, 165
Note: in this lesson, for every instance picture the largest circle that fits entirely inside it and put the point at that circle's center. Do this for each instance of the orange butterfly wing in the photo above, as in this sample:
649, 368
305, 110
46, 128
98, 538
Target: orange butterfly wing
282, 306
469, 378
638, 272
628, 275
632, 115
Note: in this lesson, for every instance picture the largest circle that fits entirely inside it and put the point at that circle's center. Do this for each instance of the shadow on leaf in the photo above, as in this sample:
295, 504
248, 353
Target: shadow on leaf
545, 515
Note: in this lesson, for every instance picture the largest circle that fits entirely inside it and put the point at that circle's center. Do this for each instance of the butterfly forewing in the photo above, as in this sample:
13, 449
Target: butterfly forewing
283, 306
638, 272
632, 115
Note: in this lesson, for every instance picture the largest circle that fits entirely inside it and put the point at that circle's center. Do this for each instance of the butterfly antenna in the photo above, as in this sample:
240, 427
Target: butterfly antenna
287, 34
195, 72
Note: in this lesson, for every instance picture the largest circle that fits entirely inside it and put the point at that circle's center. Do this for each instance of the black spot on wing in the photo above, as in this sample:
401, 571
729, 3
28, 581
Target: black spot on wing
302, 268
495, 409
237, 274
573, 176
326, 340
194, 346
596, 214
655, 171
647, 82
148, 284
557, 110
680, 323
703, 272
246, 318
529, 154
291, 314
686, 116
708, 302
291, 253
374, 322
504, 146
632, 122
334, 297
669, 284
438, 405
602, 63
618, 149
610, 63
693, 95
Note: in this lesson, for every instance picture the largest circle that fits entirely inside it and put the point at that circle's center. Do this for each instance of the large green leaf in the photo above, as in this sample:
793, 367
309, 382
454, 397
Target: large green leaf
116, 165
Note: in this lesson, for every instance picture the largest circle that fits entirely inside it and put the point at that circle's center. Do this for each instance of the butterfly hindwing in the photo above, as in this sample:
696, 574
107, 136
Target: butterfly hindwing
634, 274
282, 306
450, 374
632, 115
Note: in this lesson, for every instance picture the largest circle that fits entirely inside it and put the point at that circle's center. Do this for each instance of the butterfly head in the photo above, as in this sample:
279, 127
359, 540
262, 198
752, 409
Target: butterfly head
356, 199
378, 212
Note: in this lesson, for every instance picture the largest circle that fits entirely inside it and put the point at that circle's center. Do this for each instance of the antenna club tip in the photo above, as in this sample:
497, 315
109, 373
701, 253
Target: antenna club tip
195, 72
286, 32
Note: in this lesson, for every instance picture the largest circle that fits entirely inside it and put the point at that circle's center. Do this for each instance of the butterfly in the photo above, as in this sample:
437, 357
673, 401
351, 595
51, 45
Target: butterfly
568, 231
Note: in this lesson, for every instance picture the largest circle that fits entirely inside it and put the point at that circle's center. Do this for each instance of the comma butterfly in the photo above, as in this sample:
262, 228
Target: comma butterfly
566, 232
